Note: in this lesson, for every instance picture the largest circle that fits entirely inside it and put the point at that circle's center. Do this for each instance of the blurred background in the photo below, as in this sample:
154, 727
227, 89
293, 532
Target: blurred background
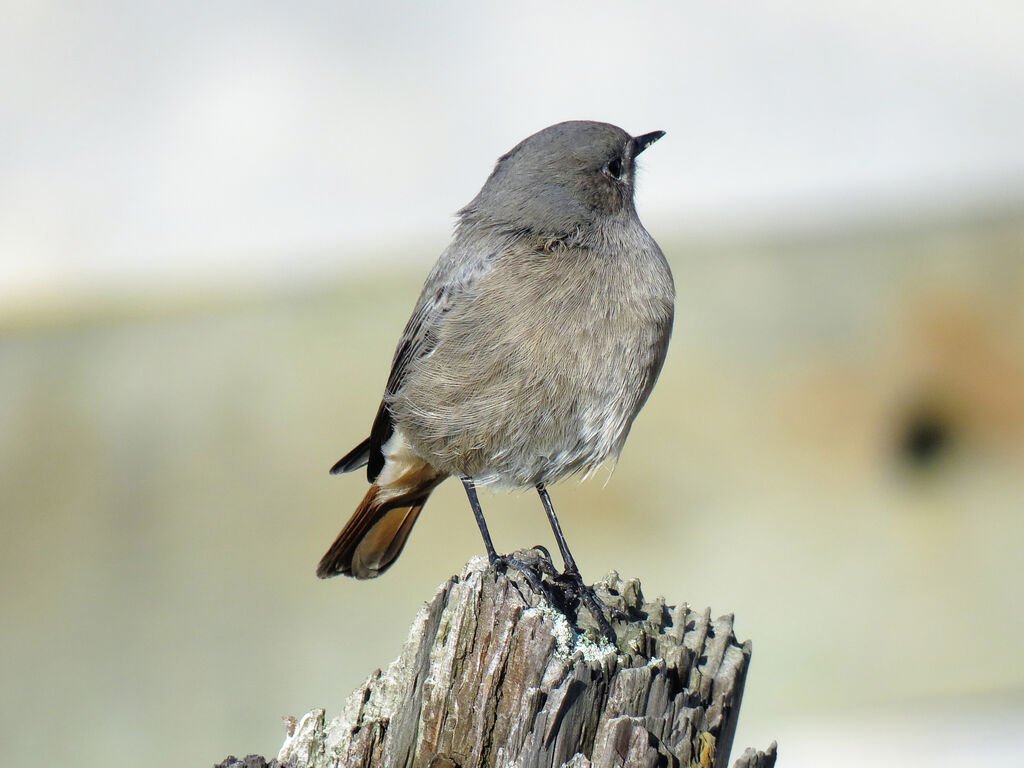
214, 220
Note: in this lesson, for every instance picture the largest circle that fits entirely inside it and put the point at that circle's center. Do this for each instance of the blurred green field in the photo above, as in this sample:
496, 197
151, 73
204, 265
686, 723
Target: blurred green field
835, 453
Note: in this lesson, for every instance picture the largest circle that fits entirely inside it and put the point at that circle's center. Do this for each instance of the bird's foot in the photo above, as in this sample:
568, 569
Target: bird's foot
536, 563
572, 583
533, 568
539, 556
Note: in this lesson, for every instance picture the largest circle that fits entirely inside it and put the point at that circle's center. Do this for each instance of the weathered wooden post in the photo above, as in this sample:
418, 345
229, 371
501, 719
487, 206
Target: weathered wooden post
494, 675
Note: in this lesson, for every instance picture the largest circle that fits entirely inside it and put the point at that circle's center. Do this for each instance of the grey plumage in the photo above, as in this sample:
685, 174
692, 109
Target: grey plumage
538, 334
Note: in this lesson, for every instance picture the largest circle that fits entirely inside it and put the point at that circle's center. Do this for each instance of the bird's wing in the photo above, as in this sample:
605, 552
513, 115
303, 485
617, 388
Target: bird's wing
450, 281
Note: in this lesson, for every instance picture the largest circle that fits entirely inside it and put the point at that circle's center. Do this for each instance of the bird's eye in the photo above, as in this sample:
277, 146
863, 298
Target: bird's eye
614, 168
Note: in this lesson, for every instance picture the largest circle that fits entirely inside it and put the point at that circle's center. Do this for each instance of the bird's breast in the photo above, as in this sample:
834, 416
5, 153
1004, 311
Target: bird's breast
541, 372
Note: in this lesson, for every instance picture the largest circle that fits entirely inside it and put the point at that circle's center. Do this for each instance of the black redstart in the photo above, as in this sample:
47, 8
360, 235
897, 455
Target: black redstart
537, 338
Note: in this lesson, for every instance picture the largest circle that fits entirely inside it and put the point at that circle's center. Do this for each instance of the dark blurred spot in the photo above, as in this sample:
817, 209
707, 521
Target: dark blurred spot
925, 439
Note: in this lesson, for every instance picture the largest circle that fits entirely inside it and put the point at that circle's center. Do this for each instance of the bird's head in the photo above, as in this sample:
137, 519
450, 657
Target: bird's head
561, 179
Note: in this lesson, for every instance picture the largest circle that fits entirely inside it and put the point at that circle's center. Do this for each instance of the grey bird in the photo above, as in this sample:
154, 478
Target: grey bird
536, 339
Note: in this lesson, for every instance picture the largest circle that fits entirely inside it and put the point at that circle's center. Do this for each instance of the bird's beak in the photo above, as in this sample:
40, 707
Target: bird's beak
640, 143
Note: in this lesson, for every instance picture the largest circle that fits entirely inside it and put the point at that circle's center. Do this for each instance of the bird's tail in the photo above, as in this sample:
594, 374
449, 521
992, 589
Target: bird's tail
374, 536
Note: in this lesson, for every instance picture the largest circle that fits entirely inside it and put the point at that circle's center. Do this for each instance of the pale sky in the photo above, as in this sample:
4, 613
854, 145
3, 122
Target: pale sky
148, 143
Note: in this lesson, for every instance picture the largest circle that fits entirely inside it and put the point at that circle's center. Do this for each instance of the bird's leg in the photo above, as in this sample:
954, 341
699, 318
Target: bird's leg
572, 576
478, 513
563, 547
499, 561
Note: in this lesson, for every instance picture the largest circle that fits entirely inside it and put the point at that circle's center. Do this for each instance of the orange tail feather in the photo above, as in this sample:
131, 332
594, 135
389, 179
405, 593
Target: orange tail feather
374, 536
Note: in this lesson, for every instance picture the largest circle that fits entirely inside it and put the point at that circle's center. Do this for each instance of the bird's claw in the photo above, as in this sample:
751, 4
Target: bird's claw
544, 562
538, 564
572, 582
528, 569
543, 552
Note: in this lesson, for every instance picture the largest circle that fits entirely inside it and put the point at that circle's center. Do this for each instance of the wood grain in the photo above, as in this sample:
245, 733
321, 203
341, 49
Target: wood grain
493, 674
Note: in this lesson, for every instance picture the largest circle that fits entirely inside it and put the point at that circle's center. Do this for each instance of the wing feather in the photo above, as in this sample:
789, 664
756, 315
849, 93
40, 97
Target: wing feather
449, 282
